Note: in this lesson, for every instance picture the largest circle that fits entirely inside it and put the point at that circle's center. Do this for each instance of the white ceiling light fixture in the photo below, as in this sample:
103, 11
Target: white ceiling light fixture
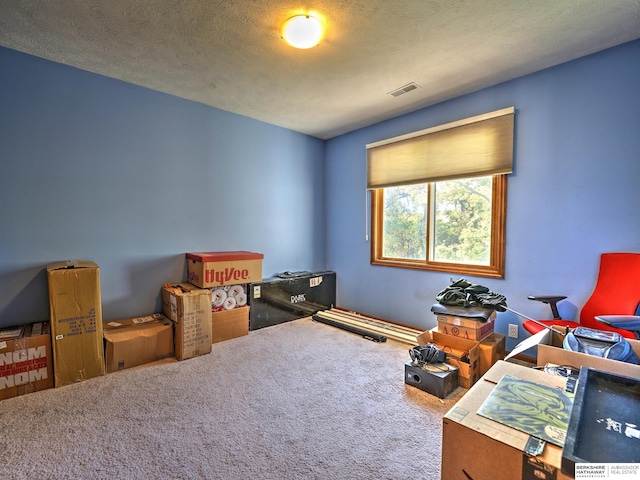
302, 31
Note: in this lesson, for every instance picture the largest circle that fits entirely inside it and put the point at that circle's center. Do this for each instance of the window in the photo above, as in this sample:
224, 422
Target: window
454, 226
438, 197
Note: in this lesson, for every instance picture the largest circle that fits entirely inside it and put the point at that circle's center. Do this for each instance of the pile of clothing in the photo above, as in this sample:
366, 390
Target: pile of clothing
464, 294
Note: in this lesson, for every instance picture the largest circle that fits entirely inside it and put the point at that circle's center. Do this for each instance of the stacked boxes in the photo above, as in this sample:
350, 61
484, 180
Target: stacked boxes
461, 353
464, 328
472, 323
26, 365
76, 346
473, 359
76, 321
135, 341
227, 274
231, 322
190, 311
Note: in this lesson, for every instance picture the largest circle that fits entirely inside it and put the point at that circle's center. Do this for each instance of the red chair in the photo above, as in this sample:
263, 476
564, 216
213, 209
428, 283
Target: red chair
616, 296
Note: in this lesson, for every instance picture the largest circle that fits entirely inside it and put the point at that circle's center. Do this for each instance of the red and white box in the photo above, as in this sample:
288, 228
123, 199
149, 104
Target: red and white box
215, 269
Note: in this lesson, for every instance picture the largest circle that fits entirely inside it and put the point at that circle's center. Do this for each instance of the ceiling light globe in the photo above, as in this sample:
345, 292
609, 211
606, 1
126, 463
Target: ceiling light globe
302, 31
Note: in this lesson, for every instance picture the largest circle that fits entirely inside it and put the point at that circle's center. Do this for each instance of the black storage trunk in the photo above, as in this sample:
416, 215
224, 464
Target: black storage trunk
282, 299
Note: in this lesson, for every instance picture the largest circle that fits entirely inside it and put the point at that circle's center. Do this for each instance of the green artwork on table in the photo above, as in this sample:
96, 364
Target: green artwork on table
532, 408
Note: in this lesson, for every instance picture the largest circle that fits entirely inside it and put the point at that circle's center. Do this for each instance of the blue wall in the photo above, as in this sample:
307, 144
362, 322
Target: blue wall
97, 169
94, 168
575, 191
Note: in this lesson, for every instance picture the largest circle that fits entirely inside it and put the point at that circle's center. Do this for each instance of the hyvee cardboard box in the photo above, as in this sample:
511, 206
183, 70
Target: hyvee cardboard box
26, 364
461, 353
212, 269
228, 324
477, 447
135, 341
76, 321
190, 310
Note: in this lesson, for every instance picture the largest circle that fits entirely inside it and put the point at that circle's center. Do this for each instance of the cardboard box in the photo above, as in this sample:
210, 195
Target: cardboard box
135, 341
26, 364
432, 381
229, 324
190, 311
469, 328
491, 349
461, 353
477, 447
75, 304
555, 354
225, 297
212, 269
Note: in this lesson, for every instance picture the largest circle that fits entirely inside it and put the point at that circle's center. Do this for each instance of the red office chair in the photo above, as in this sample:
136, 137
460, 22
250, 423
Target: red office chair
615, 299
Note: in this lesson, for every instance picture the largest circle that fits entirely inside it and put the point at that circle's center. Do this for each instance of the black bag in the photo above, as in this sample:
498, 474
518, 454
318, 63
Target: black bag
599, 343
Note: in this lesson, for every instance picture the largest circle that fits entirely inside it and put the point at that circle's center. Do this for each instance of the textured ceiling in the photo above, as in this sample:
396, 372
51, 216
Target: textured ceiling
229, 54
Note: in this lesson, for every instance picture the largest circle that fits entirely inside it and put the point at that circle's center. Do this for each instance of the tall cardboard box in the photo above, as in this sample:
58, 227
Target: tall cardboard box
190, 311
130, 342
76, 321
26, 365
212, 269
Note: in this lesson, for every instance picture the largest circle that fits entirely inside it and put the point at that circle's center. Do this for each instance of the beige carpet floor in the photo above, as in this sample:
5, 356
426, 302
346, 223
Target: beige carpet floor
296, 400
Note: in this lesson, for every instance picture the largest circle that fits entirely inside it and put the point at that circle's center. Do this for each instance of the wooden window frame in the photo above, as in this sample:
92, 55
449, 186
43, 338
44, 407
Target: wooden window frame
495, 269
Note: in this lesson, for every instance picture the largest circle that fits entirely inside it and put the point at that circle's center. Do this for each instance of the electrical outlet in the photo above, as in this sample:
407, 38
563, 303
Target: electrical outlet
513, 330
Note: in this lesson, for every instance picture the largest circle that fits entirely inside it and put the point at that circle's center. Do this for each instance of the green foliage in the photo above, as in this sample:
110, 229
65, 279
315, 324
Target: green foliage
462, 219
405, 222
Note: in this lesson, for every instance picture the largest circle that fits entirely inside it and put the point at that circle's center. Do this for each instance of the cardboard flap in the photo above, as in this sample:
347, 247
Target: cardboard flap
186, 289
136, 331
541, 337
113, 329
223, 256
69, 264
501, 368
11, 333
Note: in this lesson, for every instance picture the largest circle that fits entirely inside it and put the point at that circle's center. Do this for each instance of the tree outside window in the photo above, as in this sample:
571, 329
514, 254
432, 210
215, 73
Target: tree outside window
455, 226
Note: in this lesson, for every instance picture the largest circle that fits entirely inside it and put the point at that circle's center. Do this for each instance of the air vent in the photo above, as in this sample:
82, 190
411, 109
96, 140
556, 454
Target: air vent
402, 90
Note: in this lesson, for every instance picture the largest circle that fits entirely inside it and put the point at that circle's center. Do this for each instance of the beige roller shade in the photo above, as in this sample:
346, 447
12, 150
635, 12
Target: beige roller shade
473, 147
